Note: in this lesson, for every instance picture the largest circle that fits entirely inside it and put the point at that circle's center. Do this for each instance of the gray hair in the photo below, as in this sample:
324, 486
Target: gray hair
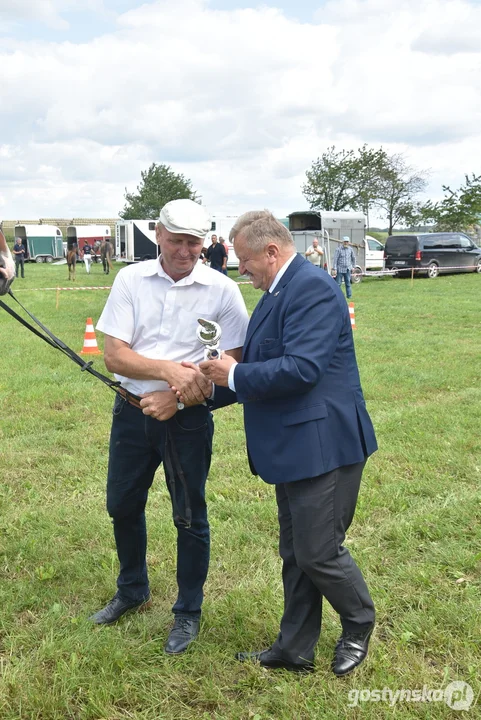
259, 228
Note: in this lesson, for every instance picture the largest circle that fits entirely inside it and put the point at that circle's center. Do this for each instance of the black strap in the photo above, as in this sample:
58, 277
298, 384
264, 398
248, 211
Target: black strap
173, 472
172, 465
58, 344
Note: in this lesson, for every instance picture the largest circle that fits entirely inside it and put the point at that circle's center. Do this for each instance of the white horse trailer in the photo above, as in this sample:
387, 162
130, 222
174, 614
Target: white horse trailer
329, 228
135, 240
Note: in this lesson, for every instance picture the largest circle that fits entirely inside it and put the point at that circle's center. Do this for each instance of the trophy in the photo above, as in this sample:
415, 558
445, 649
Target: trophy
209, 334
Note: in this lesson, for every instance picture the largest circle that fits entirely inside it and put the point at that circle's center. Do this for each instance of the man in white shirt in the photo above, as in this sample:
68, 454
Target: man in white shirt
150, 322
314, 253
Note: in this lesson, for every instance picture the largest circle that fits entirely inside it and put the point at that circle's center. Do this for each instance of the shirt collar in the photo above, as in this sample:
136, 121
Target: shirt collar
281, 272
200, 273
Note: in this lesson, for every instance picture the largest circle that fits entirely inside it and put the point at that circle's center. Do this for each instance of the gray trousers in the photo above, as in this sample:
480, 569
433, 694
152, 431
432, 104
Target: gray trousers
314, 516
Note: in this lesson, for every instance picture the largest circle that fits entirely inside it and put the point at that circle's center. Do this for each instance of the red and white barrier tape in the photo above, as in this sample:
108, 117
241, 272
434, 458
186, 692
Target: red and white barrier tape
93, 287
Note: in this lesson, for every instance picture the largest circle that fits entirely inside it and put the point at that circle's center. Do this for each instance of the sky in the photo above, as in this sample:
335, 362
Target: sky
239, 97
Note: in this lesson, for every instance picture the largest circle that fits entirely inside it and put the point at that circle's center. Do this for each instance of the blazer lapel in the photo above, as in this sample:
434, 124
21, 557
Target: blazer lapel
267, 302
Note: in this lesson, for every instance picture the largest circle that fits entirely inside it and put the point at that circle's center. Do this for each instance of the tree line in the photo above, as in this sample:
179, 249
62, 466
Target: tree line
369, 179
365, 180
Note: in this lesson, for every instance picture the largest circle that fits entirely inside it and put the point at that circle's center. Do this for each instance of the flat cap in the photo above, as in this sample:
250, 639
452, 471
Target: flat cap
185, 216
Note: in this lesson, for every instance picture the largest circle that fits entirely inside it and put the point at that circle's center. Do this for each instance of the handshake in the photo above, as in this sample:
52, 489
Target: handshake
191, 384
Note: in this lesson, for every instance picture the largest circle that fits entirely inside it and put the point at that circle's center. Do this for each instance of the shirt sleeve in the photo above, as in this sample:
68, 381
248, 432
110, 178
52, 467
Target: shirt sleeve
230, 379
117, 318
233, 318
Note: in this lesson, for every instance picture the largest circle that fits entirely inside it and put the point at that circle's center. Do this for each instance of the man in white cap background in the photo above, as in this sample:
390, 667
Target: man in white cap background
150, 322
344, 261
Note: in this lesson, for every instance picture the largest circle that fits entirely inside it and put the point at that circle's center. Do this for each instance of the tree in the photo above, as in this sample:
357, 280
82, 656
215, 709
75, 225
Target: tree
396, 195
332, 182
159, 185
345, 180
371, 166
460, 209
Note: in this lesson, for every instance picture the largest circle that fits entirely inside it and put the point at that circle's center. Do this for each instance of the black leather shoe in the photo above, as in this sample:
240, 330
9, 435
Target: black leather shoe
184, 631
117, 607
268, 659
350, 651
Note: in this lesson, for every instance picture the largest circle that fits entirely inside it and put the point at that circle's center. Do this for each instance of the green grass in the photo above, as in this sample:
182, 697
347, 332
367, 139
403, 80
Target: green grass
416, 534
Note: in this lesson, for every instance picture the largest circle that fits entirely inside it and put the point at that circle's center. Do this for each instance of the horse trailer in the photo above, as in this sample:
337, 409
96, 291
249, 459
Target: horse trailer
135, 240
44, 243
330, 227
83, 234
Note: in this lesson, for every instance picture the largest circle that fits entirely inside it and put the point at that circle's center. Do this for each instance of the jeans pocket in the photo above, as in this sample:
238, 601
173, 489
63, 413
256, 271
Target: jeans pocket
119, 404
192, 419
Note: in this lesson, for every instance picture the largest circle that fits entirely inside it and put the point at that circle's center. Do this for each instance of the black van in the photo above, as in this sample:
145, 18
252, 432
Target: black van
432, 253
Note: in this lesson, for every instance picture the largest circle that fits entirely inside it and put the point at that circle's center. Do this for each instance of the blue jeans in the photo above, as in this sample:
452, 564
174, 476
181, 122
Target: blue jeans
137, 447
347, 280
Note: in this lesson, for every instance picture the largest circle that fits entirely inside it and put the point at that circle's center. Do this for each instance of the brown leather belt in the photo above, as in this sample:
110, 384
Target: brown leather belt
130, 397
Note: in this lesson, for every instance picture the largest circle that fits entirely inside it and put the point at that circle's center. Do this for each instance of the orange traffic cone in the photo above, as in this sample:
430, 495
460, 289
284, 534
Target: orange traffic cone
90, 341
351, 315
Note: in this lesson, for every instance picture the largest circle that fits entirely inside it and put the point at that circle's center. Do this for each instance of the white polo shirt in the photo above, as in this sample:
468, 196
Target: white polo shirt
158, 317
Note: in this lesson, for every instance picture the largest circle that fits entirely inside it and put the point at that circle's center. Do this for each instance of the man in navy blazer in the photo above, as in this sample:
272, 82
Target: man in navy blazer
308, 433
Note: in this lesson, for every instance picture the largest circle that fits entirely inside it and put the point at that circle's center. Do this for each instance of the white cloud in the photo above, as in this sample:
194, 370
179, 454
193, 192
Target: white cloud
47, 12
239, 101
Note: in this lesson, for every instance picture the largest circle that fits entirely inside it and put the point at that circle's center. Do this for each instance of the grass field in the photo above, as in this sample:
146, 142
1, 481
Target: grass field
416, 534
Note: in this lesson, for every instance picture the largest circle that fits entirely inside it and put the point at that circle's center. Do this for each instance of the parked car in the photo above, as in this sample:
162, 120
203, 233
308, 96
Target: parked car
432, 254
374, 254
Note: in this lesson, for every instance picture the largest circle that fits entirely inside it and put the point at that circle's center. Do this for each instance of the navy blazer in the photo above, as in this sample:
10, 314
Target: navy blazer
304, 411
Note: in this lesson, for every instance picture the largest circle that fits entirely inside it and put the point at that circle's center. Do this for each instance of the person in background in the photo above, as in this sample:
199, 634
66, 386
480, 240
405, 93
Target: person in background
224, 266
150, 323
87, 255
314, 253
344, 261
216, 255
19, 255
308, 433
7, 267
